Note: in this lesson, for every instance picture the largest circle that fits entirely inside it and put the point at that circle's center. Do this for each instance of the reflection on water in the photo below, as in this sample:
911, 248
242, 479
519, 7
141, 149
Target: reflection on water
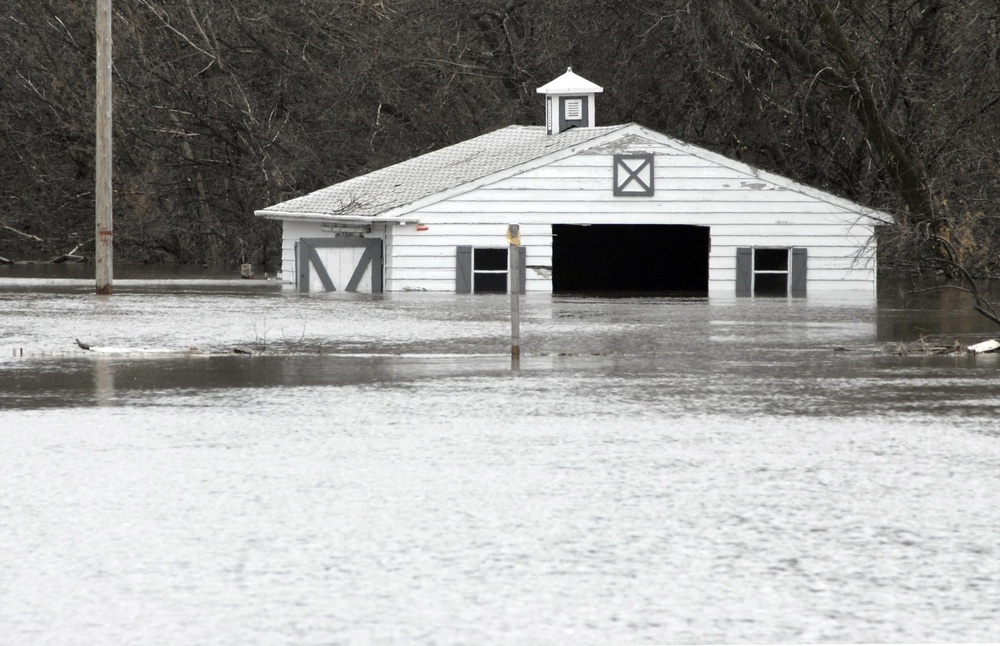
85, 271
104, 382
658, 471
910, 311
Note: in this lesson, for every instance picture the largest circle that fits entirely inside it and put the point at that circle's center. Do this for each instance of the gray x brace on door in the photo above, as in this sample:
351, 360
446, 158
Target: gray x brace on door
350, 264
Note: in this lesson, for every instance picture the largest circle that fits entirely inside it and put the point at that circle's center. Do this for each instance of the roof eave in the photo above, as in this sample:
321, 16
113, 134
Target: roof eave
272, 214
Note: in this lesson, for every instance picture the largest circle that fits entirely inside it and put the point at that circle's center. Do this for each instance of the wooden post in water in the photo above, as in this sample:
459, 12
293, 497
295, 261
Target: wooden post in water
514, 260
103, 239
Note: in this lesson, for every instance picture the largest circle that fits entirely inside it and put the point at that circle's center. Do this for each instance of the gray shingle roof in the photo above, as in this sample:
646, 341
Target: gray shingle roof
396, 186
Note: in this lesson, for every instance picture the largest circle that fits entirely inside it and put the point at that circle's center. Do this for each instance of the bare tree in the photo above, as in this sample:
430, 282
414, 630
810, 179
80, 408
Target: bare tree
225, 106
899, 105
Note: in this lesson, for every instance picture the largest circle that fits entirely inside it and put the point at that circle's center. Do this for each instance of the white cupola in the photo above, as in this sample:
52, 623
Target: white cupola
569, 102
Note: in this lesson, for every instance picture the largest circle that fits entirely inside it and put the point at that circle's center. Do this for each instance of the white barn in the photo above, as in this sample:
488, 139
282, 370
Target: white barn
610, 208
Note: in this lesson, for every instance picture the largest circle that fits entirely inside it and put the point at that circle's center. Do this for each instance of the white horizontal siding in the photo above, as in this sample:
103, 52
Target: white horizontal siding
291, 232
686, 185
741, 209
432, 267
816, 287
666, 167
592, 192
569, 207
426, 260
693, 183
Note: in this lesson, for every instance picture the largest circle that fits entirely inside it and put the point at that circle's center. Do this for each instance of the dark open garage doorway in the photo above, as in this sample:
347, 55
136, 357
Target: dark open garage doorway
629, 258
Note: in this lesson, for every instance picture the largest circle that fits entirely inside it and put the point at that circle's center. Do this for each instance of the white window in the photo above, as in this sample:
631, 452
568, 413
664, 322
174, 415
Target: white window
770, 271
489, 271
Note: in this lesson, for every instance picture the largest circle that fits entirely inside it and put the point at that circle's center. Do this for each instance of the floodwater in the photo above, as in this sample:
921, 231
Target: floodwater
657, 470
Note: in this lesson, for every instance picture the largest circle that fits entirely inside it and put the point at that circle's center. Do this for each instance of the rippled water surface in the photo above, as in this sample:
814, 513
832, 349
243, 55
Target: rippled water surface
374, 472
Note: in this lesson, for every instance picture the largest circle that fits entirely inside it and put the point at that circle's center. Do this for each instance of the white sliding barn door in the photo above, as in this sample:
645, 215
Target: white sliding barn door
349, 264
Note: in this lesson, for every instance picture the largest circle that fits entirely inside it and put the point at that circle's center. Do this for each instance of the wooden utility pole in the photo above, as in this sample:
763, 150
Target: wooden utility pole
514, 238
103, 251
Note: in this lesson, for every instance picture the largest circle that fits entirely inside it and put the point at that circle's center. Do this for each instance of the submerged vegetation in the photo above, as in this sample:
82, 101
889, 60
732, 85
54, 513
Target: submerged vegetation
225, 107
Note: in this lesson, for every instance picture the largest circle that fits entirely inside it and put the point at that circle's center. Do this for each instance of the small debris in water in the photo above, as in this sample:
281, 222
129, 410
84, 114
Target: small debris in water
991, 345
926, 346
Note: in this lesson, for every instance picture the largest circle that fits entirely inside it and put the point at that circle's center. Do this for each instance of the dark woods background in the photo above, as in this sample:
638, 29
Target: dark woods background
226, 106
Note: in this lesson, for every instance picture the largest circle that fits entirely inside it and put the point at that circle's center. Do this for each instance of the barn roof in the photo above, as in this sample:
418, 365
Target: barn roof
380, 192
390, 194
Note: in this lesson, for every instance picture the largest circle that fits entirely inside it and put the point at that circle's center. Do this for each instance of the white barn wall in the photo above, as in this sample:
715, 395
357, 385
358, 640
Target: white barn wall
741, 208
426, 260
291, 232
294, 230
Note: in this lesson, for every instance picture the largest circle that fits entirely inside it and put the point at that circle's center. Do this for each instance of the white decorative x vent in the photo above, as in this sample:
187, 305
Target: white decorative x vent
634, 174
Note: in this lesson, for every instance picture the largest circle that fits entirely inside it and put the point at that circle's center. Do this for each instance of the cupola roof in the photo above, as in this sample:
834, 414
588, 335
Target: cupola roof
570, 83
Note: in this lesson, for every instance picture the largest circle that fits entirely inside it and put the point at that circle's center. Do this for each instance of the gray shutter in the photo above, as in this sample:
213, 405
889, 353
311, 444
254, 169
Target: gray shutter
463, 270
302, 251
522, 256
799, 271
298, 267
744, 270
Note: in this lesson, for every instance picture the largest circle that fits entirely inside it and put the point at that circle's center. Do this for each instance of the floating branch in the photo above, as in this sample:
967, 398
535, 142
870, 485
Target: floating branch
68, 257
